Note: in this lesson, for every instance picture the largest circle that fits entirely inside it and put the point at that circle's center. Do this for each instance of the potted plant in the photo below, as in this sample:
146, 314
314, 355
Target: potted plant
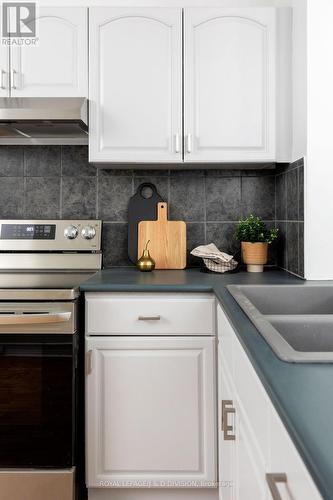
255, 238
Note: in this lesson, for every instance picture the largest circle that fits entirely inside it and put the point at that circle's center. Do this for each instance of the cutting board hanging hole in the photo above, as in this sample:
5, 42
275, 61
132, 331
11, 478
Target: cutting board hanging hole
162, 211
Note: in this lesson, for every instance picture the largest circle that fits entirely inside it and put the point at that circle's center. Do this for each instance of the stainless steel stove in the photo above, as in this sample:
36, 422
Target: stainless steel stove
42, 264
47, 259
41, 285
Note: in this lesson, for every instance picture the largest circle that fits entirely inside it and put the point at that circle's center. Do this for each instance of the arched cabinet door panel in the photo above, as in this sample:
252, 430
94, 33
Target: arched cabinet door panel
229, 84
135, 84
58, 64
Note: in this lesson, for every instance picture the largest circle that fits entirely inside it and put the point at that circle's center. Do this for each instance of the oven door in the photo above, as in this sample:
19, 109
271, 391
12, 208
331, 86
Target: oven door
37, 388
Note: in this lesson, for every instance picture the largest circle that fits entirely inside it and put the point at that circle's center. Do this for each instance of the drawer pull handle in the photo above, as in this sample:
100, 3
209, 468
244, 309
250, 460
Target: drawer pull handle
226, 409
149, 318
35, 318
89, 362
272, 479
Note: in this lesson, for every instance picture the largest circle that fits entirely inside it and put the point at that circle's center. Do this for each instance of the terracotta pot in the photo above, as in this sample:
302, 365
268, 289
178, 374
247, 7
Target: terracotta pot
255, 256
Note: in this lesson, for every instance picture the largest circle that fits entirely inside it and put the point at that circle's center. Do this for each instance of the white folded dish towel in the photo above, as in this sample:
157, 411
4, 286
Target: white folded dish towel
214, 260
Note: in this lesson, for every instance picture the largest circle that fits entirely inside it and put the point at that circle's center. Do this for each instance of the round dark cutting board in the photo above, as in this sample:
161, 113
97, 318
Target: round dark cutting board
142, 206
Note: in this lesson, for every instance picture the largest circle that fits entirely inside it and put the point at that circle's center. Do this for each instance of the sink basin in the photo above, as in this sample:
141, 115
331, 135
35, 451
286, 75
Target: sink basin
295, 320
289, 299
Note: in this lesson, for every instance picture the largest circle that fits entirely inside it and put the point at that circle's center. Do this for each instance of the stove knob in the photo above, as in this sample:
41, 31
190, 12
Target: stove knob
70, 232
88, 232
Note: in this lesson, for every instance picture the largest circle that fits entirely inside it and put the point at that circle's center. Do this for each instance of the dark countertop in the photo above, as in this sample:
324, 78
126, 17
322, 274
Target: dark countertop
301, 393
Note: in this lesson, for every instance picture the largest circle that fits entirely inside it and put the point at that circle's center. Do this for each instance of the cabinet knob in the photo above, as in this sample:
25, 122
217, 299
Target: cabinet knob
272, 479
227, 408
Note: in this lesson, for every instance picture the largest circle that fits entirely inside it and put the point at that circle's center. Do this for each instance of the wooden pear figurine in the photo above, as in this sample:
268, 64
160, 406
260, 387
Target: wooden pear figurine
146, 262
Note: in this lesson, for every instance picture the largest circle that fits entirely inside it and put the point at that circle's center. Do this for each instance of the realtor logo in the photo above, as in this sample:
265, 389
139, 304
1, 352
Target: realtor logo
19, 19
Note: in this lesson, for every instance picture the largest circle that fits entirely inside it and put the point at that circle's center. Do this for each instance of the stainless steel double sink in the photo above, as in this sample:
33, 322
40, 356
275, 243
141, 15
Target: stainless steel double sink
295, 320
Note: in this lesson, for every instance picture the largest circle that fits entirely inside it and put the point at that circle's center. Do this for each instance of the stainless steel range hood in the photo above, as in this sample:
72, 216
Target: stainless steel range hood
43, 120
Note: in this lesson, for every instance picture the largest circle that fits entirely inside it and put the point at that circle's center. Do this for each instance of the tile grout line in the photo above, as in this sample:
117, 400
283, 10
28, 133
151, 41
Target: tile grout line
205, 209
298, 259
275, 218
169, 187
24, 183
97, 194
61, 181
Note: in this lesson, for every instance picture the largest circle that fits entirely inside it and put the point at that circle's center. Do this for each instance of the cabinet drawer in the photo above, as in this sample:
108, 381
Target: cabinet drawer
150, 314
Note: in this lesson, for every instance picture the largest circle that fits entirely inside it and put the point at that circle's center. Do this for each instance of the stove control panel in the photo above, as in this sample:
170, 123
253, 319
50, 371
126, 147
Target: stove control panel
50, 235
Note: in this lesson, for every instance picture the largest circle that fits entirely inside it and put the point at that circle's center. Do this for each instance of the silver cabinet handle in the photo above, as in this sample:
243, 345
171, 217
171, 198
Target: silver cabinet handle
3, 74
227, 408
89, 362
33, 319
177, 143
13, 84
149, 318
272, 479
189, 143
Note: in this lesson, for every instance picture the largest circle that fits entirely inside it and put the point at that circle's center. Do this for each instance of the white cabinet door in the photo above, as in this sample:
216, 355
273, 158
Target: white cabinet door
262, 445
249, 465
135, 85
58, 64
245, 459
229, 84
287, 473
227, 444
151, 412
4, 71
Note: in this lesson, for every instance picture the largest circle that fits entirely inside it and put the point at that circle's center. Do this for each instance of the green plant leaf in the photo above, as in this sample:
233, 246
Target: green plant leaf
253, 230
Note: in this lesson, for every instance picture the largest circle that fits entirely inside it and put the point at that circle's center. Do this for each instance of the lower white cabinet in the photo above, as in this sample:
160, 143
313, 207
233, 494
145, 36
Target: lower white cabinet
294, 483
151, 412
257, 458
227, 448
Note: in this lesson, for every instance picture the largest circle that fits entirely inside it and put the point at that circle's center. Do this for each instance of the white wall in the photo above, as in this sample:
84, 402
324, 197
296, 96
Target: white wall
299, 77
319, 171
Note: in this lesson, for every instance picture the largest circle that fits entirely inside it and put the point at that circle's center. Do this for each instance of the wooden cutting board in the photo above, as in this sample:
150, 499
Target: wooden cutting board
167, 240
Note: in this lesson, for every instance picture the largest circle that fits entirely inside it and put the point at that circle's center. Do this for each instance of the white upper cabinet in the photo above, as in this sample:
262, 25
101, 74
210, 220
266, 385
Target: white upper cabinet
229, 86
135, 85
58, 64
4, 71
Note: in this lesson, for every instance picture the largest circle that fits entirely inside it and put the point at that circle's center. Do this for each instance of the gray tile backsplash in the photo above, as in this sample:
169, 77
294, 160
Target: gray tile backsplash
290, 216
58, 181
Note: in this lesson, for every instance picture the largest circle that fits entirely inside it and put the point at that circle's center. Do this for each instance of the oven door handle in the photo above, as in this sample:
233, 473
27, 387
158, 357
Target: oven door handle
35, 318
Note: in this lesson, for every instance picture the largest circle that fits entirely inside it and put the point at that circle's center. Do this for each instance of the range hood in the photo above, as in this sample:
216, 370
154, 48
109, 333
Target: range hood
43, 120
